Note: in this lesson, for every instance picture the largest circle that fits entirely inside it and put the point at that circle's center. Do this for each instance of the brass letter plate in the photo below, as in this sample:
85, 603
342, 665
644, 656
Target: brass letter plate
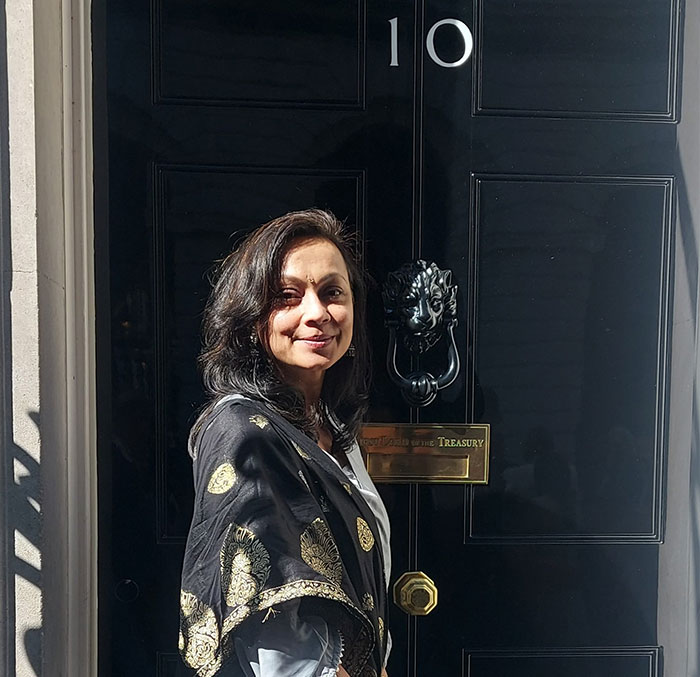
402, 452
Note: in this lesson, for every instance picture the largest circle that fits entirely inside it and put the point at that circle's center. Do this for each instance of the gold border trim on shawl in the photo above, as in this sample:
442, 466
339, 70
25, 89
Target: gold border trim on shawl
267, 598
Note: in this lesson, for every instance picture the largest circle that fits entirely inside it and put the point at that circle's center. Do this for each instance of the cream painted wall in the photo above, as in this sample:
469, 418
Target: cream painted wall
24, 300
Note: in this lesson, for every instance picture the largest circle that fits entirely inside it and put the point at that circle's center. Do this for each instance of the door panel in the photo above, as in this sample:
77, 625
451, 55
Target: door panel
301, 54
541, 172
570, 342
575, 663
598, 59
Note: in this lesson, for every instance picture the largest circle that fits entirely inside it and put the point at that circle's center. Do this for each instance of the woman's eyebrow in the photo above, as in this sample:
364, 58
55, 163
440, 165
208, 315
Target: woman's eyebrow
325, 278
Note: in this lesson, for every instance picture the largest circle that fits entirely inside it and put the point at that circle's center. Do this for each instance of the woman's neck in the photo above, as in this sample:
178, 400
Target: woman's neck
325, 439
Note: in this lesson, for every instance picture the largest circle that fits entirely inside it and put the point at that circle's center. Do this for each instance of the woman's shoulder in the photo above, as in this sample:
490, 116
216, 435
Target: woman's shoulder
235, 408
232, 419
244, 437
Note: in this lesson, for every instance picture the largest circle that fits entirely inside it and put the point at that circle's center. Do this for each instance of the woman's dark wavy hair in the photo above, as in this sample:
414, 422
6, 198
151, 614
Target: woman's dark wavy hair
235, 356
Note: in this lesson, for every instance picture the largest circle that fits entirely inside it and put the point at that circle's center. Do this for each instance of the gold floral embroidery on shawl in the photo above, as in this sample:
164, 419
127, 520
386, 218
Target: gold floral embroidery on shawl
319, 551
199, 634
367, 602
364, 534
301, 452
245, 565
347, 487
222, 479
380, 622
259, 421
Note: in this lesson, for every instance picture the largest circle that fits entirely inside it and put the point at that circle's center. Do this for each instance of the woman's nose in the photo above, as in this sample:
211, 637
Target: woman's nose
314, 308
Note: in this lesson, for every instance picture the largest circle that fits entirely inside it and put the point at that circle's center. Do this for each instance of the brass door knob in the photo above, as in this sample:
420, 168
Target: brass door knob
415, 593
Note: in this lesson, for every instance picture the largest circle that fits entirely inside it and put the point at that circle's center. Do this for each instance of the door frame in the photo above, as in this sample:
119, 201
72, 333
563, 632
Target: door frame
679, 552
80, 597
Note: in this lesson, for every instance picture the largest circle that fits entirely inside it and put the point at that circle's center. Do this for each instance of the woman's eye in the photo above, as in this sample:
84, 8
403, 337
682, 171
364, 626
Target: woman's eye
288, 297
335, 292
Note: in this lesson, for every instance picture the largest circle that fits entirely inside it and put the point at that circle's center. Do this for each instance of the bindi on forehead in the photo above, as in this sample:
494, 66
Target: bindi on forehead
313, 262
310, 279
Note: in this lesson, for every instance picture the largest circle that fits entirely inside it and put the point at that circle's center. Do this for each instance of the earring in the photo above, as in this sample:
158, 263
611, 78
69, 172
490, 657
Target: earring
351, 350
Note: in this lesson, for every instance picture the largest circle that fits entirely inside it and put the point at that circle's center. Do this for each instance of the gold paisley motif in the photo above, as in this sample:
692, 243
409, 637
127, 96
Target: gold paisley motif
301, 452
188, 603
222, 479
245, 565
380, 623
199, 634
367, 602
259, 421
364, 534
347, 487
319, 551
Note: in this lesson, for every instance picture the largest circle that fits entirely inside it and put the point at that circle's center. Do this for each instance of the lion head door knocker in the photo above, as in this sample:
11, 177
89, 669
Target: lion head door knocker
420, 308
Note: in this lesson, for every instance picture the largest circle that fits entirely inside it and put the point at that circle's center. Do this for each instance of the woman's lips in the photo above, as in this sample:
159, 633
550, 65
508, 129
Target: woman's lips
316, 341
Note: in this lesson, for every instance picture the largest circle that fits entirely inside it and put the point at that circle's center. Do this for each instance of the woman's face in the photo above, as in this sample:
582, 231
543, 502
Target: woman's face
310, 326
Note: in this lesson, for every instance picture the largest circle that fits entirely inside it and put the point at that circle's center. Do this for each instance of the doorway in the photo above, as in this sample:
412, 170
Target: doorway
538, 163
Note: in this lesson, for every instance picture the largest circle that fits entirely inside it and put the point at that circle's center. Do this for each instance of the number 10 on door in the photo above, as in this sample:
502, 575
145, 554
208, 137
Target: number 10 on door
460, 26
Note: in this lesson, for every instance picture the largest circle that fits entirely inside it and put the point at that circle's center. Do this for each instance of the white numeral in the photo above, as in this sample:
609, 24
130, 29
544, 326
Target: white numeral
430, 42
394, 41
466, 36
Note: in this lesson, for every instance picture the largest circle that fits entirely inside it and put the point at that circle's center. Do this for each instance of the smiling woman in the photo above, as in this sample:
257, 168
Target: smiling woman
311, 327
287, 560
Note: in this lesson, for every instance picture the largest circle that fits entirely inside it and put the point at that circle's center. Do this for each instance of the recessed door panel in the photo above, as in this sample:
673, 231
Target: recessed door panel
601, 58
201, 212
573, 662
571, 335
305, 53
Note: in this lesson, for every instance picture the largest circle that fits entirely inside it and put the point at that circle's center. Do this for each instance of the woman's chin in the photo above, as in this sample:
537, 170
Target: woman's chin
316, 359
305, 370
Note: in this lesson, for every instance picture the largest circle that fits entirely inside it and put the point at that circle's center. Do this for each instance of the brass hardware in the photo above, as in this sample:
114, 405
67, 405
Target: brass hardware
415, 593
402, 452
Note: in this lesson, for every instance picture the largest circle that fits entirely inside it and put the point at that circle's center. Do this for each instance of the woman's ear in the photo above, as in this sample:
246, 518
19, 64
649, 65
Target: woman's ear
259, 330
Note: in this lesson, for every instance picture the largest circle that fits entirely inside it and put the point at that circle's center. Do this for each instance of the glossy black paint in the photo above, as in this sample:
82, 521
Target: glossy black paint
541, 173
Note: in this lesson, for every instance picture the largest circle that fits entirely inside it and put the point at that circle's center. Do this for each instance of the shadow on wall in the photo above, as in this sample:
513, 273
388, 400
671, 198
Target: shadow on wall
23, 538
20, 485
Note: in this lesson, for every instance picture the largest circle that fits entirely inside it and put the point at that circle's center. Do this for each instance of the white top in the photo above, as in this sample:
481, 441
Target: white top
358, 475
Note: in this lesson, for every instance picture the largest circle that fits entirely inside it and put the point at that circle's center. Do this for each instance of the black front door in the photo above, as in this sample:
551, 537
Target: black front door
528, 146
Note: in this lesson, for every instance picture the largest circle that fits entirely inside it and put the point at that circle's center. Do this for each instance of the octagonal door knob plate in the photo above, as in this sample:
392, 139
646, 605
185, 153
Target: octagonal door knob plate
415, 593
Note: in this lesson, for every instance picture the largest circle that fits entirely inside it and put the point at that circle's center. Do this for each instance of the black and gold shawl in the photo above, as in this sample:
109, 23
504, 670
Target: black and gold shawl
275, 519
